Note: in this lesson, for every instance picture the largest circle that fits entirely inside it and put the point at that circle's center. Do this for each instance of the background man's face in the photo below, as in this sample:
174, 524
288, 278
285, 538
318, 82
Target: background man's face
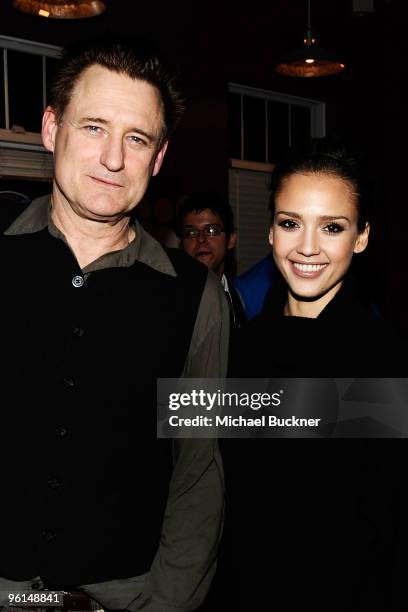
106, 147
210, 250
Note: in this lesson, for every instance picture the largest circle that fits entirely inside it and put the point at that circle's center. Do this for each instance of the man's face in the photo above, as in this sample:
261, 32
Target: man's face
107, 145
210, 250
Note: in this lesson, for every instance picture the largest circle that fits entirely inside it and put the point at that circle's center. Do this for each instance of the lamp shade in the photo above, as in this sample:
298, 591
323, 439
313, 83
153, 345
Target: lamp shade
309, 61
61, 9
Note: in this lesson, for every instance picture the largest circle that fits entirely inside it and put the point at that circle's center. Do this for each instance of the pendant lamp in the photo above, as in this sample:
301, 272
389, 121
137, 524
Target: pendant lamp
310, 60
61, 9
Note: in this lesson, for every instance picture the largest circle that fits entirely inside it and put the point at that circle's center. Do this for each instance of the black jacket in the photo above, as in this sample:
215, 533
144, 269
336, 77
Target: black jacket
313, 524
347, 339
86, 480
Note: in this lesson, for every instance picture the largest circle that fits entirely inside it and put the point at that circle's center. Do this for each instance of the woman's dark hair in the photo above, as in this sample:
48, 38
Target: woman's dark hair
139, 59
323, 156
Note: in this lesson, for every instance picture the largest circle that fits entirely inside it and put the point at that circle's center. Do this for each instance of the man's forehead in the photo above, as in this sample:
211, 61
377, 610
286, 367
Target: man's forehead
111, 87
97, 72
204, 217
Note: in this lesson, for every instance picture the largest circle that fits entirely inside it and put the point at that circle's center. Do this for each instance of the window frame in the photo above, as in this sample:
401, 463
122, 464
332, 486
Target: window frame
8, 43
317, 120
22, 154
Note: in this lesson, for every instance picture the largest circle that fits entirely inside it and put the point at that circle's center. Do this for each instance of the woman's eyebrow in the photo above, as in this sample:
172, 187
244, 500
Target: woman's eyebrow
289, 213
334, 218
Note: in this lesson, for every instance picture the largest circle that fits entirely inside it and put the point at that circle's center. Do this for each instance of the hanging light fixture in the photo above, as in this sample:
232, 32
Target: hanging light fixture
310, 60
61, 9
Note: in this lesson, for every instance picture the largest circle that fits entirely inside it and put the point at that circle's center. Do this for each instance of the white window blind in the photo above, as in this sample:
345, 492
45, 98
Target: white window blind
259, 134
22, 159
21, 152
249, 195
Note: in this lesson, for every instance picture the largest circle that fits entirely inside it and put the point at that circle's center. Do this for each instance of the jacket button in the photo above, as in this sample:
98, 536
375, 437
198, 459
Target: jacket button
78, 281
69, 382
61, 431
54, 483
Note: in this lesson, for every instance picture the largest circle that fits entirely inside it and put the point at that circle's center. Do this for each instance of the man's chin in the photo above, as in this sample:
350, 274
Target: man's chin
104, 209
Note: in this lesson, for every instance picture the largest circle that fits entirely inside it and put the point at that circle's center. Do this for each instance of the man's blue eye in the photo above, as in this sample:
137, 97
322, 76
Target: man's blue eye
92, 129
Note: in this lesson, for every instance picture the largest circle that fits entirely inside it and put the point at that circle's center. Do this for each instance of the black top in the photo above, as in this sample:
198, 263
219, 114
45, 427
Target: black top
346, 340
313, 524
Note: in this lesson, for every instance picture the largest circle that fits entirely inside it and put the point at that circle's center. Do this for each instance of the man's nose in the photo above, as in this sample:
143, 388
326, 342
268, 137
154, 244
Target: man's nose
201, 236
309, 243
112, 156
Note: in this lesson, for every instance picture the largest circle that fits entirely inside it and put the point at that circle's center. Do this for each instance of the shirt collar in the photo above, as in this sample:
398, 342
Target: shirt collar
143, 248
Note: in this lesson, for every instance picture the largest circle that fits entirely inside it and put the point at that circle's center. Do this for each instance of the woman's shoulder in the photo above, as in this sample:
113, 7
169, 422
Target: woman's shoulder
383, 348
375, 344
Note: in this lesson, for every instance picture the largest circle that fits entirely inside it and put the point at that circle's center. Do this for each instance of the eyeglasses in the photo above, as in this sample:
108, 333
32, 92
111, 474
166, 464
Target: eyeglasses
209, 230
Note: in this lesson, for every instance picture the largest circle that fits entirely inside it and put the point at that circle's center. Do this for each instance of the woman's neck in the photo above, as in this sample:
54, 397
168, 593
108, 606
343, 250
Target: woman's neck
296, 308
311, 309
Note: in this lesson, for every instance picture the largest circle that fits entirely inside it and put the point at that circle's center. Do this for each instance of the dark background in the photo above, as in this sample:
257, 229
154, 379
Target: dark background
218, 42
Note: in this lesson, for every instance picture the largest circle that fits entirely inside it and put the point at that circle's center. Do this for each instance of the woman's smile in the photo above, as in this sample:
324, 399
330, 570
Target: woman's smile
308, 270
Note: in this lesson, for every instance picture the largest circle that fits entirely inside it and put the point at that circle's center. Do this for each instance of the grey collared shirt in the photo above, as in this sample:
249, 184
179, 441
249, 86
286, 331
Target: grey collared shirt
185, 561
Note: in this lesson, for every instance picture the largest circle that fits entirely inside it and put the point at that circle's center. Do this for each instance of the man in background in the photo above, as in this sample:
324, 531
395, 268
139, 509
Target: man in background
206, 228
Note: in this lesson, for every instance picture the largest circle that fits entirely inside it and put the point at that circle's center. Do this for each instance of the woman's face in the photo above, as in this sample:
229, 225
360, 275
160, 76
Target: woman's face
314, 235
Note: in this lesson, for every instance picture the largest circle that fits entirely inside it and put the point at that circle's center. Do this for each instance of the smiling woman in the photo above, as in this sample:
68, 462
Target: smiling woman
325, 512
314, 236
319, 225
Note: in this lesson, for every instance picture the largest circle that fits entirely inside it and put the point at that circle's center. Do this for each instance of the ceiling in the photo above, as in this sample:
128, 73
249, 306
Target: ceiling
216, 42
217, 38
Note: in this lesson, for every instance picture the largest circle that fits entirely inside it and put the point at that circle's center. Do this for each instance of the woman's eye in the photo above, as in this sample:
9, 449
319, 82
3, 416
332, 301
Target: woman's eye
288, 224
333, 228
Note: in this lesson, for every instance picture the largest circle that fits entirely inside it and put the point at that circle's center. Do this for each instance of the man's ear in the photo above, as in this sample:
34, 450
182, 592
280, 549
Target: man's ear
49, 128
271, 236
362, 240
159, 158
232, 240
